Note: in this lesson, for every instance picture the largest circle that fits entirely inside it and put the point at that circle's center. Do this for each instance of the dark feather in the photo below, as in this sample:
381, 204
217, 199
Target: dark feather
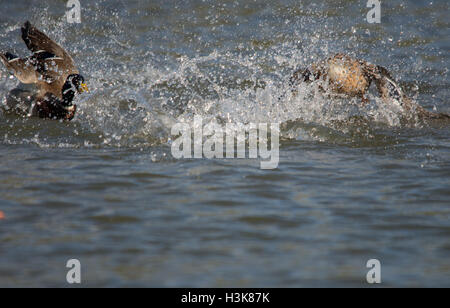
37, 41
51, 107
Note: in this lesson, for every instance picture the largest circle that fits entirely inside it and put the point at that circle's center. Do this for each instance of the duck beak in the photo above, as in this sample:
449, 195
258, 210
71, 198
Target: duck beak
84, 88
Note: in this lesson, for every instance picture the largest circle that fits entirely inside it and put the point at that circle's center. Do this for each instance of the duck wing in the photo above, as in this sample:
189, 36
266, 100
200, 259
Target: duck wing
50, 60
38, 42
21, 68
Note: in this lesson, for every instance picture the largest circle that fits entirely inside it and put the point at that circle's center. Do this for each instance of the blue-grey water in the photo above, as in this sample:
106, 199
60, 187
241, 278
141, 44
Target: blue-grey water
353, 183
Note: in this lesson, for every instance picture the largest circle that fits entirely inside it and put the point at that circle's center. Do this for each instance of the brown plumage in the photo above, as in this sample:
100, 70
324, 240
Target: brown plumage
53, 72
353, 78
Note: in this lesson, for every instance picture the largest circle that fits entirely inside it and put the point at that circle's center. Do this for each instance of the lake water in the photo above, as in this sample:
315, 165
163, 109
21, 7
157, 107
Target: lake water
353, 183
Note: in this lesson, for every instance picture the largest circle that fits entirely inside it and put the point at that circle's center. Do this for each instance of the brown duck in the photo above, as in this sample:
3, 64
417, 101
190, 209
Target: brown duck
53, 72
353, 78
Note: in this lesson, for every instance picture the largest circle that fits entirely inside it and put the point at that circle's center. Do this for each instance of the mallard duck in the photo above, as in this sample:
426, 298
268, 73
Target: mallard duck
53, 72
353, 77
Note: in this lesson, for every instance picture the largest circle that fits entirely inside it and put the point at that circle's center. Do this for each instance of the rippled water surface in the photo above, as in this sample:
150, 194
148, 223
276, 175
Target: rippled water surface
353, 183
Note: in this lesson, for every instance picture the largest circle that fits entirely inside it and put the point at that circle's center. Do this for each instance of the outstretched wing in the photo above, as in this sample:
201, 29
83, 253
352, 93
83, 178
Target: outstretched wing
23, 69
51, 60
38, 42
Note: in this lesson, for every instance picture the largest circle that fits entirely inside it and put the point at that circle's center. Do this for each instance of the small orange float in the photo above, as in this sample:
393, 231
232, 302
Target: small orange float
2, 215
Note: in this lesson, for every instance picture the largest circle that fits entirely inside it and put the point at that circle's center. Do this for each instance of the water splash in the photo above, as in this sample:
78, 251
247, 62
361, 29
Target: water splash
139, 90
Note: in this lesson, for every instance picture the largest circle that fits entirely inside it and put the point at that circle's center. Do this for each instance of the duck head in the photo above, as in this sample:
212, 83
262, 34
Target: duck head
74, 84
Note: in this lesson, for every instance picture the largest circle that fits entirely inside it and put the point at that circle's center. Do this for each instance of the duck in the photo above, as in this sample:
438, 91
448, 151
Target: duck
52, 70
345, 75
